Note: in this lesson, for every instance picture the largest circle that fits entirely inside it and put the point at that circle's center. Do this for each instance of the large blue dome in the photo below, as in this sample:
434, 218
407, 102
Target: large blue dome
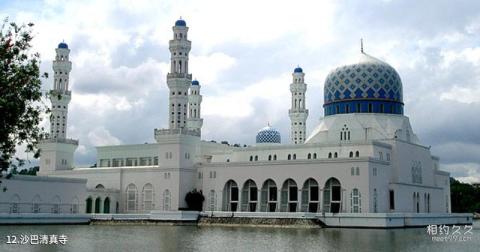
268, 135
180, 22
63, 45
366, 86
298, 70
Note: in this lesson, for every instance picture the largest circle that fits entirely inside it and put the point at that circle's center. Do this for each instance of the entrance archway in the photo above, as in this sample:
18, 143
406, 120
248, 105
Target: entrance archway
230, 196
97, 205
332, 196
106, 205
88, 205
249, 196
310, 196
289, 196
269, 197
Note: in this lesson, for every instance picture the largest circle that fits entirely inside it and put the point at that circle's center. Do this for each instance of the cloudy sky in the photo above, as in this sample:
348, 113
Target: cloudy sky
243, 55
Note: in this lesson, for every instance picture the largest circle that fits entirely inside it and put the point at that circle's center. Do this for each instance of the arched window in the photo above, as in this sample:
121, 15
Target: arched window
289, 196
36, 204
351, 154
352, 171
88, 205
357, 154
314, 155
374, 200
249, 196
14, 206
335, 155
256, 158
211, 200
329, 155
230, 196
357, 171
355, 201
309, 156
98, 202
166, 200
294, 156
251, 158
75, 204
289, 157
106, 205
268, 196
332, 196
56, 204
310, 196
269, 157
131, 198
274, 156
148, 197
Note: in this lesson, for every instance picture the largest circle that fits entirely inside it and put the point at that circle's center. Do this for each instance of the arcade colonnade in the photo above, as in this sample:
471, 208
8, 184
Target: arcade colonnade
289, 196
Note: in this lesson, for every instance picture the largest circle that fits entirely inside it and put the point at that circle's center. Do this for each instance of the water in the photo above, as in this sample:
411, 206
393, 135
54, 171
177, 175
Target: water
191, 238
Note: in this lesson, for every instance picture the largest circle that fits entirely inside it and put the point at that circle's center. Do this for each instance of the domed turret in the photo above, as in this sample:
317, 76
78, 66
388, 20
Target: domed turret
268, 135
298, 70
195, 83
63, 45
366, 86
180, 22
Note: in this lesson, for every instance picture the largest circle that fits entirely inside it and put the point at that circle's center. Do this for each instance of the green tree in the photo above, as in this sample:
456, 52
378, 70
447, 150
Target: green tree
20, 94
465, 198
195, 200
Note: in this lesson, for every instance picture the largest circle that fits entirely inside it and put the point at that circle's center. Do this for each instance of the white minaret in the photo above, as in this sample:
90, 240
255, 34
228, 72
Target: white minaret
194, 121
56, 150
298, 113
60, 95
178, 80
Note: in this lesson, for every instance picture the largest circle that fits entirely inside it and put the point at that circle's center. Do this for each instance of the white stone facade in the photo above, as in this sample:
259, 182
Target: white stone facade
353, 162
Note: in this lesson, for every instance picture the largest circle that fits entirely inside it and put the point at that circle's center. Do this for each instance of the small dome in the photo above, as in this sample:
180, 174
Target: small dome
63, 45
180, 22
298, 70
195, 83
268, 135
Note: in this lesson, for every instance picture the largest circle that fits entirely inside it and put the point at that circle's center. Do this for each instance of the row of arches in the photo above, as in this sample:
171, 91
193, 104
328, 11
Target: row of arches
288, 198
147, 200
99, 206
37, 205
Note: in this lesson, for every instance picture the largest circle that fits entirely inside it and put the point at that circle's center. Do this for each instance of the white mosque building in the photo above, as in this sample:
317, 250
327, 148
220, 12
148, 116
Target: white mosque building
363, 157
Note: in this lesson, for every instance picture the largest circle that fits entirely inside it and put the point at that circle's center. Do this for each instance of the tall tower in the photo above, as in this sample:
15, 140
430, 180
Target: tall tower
178, 80
298, 113
60, 95
56, 150
194, 121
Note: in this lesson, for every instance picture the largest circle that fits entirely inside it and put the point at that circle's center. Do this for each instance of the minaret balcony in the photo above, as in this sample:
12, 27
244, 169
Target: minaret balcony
179, 76
59, 140
181, 131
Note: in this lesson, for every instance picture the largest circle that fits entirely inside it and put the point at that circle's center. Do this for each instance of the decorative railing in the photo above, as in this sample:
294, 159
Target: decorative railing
179, 75
182, 131
60, 140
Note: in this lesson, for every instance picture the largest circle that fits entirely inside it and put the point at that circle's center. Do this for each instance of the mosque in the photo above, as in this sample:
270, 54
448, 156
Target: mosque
362, 157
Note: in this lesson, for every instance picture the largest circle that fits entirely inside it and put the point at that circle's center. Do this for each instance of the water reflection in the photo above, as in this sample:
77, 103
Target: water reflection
191, 238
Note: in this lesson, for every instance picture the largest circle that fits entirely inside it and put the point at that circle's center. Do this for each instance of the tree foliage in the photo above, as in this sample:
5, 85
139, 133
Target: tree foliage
195, 200
20, 94
465, 197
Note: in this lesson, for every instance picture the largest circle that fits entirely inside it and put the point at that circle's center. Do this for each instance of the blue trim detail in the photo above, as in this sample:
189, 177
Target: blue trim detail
364, 106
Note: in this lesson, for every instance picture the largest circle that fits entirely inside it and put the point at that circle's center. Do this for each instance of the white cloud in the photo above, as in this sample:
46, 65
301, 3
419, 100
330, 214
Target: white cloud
101, 136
